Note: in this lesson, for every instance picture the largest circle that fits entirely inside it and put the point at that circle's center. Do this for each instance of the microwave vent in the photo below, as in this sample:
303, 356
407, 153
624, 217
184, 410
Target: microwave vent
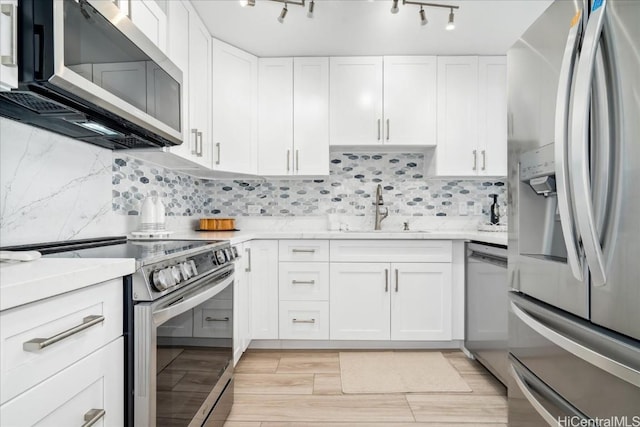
129, 141
36, 103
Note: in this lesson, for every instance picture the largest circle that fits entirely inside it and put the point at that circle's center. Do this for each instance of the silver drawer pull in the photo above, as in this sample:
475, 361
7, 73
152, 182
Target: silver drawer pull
37, 344
216, 319
303, 282
307, 251
93, 416
294, 320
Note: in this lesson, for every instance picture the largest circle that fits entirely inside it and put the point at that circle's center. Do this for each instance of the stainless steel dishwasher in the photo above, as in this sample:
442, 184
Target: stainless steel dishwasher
486, 335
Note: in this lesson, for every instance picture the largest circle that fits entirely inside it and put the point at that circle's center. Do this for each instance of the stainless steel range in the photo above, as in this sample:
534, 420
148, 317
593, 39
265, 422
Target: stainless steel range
178, 326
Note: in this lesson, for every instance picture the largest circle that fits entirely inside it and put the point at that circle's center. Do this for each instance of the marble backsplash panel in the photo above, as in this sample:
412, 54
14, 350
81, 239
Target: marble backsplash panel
349, 190
52, 187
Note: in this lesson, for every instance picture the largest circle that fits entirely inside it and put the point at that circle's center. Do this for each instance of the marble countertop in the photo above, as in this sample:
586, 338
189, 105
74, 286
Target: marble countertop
235, 237
25, 282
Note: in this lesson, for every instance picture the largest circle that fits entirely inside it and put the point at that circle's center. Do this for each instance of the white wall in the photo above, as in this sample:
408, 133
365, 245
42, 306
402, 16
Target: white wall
53, 188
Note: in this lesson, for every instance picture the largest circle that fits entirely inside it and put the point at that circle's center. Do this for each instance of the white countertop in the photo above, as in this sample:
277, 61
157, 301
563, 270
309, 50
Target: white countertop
235, 237
25, 282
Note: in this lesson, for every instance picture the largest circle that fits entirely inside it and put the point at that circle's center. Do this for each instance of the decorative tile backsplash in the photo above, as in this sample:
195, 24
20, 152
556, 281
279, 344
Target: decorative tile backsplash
349, 190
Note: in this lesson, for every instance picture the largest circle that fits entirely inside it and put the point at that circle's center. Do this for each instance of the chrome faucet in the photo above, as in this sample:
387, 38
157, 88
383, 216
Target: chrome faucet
378, 203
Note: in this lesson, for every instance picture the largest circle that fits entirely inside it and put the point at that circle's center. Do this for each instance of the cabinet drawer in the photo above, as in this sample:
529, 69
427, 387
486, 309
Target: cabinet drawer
301, 281
304, 250
391, 251
304, 320
95, 382
23, 368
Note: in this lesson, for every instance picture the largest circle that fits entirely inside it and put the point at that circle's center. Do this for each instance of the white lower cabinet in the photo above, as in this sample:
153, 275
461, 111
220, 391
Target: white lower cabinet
304, 320
397, 301
90, 389
263, 270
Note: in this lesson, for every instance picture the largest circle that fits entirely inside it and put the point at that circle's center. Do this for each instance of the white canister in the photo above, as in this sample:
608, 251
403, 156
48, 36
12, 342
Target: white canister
148, 215
160, 213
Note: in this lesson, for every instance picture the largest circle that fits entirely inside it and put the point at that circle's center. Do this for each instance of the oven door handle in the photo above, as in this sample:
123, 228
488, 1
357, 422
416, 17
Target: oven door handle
185, 302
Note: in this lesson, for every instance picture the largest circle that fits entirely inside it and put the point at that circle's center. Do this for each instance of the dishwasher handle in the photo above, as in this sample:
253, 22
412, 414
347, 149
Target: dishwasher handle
489, 259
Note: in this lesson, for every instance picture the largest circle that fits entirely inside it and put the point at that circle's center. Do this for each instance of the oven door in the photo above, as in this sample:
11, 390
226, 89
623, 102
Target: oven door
183, 355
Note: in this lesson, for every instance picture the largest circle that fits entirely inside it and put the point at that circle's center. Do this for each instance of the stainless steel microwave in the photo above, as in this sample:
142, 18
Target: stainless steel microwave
85, 71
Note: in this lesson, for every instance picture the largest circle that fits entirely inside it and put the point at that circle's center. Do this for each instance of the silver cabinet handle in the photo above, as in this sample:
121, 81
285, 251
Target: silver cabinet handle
93, 416
379, 130
37, 344
579, 159
624, 372
561, 145
396, 280
540, 409
303, 282
248, 267
386, 280
216, 319
475, 159
310, 251
194, 150
199, 146
288, 159
11, 10
484, 159
294, 320
297, 160
218, 153
387, 129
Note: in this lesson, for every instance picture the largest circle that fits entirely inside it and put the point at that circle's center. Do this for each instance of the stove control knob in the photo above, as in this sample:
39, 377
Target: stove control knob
229, 254
175, 272
185, 269
235, 253
220, 257
194, 270
161, 280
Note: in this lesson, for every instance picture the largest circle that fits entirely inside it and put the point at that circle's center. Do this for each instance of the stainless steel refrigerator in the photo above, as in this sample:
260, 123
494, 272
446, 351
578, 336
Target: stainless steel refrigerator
574, 207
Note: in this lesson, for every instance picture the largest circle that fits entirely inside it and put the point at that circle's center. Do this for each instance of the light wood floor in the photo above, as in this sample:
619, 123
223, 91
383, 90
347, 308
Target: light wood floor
303, 389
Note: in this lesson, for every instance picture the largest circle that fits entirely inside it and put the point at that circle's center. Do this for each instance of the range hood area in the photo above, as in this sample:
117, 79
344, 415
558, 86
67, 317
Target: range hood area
86, 72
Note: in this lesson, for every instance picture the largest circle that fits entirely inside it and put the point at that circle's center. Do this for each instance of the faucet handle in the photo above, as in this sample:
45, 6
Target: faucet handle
406, 226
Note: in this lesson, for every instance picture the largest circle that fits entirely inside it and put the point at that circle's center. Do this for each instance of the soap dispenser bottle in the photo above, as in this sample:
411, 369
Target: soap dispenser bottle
495, 210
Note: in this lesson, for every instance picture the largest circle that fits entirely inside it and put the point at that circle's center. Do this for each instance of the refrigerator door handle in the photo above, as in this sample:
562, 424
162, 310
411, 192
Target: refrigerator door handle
561, 147
539, 407
580, 131
603, 362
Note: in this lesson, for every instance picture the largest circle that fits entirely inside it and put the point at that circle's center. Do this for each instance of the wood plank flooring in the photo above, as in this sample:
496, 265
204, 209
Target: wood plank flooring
303, 389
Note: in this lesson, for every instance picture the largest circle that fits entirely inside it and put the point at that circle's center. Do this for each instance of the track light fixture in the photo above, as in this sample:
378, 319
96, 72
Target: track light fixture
312, 6
283, 14
423, 16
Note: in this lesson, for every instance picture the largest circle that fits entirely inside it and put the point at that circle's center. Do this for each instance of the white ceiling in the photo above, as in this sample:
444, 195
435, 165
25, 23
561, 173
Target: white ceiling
367, 27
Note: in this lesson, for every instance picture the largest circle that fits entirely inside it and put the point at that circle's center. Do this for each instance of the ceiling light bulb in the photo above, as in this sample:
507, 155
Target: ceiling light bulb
245, 3
423, 17
283, 14
311, 7
394, 8
451, 25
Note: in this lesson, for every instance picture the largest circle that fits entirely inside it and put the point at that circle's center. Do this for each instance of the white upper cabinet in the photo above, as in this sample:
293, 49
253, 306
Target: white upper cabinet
492, 118
150, 19
275, 116
472, 119
355, 101
8, 44
390, 100
234, 109
311, 115
293, 116
410, 94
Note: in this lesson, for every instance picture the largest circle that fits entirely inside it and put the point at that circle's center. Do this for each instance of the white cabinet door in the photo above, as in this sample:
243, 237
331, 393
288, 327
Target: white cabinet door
311, 116
410, 91
275, 116
492, 119
8, 44
421, 301
151, 20
234, 108
359, 301
95, 382
457, 152
355, 100
199, 131
263, 271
